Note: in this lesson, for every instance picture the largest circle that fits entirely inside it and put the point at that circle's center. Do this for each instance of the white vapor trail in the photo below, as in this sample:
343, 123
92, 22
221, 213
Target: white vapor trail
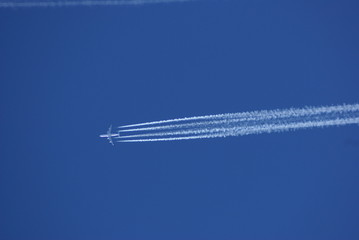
255, 130
254, 114
74, 3
236, 117
239, 124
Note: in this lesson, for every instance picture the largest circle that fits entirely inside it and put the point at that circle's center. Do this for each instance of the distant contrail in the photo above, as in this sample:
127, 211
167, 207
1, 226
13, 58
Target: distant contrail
254, 114
228, 118
239, 124
74, 3
226, 132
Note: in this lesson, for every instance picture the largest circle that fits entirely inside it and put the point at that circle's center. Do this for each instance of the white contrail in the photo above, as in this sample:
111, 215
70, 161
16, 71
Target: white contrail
238, 117
256, 130
69, 3
172, 133
169, 139
184, 125
255, 114
237, 124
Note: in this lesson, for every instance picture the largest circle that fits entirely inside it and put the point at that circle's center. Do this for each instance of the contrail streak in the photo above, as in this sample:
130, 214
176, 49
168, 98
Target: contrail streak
256, 130
239, 124
168, 139
236, 117
181, 132
183, 125
75, 3
255, 114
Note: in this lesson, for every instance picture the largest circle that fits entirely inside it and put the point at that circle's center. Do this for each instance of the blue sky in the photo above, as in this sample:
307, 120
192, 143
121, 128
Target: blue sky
66, 74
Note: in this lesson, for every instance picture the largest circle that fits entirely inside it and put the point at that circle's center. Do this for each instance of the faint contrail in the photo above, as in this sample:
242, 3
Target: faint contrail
238, 124
70, 3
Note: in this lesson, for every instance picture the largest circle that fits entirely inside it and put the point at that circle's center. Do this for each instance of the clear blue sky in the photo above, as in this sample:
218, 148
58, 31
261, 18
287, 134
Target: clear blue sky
66, 74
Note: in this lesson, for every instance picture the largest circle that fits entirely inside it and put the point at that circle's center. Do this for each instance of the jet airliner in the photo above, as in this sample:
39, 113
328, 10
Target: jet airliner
109, 135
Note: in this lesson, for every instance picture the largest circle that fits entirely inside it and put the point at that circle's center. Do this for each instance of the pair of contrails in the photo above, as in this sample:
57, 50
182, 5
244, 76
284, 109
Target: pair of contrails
236, 124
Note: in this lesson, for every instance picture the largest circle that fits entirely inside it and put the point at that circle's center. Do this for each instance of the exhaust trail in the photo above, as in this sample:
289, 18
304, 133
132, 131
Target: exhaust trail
169, 139
255, 130
253, 115
183, 125
182, 132
76, 3
239, 124
234, 117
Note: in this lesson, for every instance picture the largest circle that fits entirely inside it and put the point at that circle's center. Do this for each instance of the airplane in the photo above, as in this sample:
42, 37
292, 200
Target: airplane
109, 135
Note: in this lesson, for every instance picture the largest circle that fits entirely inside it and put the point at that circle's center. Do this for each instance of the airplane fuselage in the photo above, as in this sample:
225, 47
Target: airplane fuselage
109, 135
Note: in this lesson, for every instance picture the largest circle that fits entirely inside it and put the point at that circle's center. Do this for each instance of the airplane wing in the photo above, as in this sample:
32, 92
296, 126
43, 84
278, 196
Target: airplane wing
109, 135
